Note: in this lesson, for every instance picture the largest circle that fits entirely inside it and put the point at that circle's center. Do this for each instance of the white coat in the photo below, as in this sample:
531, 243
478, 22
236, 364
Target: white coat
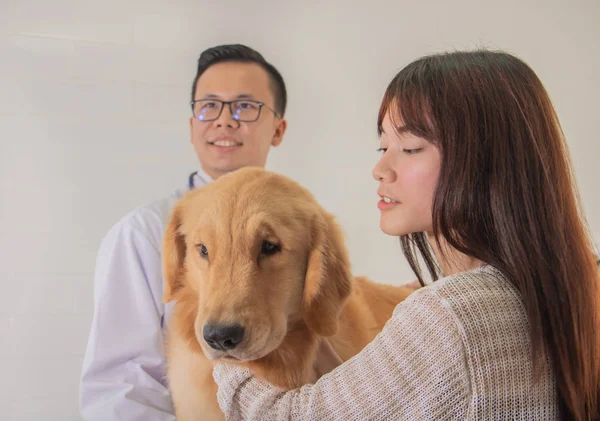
123, 375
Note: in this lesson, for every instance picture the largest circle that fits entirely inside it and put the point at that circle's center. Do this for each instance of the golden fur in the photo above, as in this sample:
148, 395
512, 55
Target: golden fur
284, 300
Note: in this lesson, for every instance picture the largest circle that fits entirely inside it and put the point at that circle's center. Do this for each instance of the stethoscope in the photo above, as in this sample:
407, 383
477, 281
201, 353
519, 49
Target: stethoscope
191, 180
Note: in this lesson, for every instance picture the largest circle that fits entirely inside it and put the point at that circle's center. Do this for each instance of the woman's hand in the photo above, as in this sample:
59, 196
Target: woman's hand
326, 359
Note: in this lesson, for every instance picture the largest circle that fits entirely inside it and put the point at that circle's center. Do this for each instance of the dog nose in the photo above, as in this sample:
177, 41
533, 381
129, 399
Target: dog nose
223, 337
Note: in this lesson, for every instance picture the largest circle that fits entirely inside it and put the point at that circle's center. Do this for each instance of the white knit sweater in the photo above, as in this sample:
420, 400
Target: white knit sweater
458, 349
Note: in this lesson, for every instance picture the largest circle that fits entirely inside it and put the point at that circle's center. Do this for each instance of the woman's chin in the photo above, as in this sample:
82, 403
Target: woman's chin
392, 230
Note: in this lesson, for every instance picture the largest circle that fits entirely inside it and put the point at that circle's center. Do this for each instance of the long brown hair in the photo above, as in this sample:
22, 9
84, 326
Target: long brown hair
507, 196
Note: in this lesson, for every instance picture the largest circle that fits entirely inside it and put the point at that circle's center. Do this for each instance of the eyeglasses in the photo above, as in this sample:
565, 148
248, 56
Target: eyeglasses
241, 110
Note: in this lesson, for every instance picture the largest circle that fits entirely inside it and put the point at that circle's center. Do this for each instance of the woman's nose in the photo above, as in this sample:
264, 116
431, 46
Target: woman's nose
382, 172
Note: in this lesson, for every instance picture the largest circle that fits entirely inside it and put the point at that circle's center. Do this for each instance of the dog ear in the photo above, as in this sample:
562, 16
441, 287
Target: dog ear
173, 258
328, 281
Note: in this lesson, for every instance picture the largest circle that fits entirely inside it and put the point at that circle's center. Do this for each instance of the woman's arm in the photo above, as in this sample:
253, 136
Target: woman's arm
415, 369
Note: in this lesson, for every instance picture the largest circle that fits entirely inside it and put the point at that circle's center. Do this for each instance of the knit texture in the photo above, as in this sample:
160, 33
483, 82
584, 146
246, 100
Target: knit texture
458, 349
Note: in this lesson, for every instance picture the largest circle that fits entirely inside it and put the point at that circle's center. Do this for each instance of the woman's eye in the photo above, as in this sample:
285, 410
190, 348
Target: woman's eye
412, 151
382, 150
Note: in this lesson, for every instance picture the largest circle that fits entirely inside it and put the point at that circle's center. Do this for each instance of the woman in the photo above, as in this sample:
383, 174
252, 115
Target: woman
474, 176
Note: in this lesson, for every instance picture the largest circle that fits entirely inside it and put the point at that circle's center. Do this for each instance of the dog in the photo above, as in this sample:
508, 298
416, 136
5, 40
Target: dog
260, 272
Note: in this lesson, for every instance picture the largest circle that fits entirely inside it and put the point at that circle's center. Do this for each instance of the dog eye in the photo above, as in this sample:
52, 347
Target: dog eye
203, 251
268, 248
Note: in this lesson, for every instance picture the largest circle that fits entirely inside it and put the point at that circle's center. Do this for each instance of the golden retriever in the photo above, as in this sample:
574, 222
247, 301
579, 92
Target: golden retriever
260, 272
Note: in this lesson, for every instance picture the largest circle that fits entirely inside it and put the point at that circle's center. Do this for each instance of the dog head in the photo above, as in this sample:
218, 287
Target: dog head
248, 257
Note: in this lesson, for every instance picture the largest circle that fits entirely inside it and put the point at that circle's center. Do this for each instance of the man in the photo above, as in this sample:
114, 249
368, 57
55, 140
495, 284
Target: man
238, 104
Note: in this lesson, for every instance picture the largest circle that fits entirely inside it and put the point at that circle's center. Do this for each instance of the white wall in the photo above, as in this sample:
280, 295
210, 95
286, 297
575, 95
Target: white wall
94, 122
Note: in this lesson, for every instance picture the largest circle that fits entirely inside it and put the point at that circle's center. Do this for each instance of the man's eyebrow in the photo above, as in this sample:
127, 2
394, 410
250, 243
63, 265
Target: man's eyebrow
240, 96
245, 96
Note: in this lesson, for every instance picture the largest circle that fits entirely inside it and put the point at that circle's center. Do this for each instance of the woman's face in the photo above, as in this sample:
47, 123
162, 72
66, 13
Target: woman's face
407, 173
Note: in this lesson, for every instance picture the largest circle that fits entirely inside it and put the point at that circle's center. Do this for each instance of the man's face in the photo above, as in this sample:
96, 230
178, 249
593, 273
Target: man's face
227, 144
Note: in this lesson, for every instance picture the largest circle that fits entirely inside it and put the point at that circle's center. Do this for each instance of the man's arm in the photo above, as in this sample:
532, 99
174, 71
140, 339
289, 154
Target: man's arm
123, 370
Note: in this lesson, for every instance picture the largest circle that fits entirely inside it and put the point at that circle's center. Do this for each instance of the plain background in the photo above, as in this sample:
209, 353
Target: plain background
94, 122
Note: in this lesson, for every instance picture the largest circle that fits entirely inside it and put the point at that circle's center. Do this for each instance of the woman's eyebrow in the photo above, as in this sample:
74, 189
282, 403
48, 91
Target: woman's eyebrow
402, 129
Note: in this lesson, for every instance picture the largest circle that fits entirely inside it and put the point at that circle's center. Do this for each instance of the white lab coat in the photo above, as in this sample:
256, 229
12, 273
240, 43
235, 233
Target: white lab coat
123, 375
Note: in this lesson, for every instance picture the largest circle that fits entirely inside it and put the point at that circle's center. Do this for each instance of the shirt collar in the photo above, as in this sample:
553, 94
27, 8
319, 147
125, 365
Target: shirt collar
200, 178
